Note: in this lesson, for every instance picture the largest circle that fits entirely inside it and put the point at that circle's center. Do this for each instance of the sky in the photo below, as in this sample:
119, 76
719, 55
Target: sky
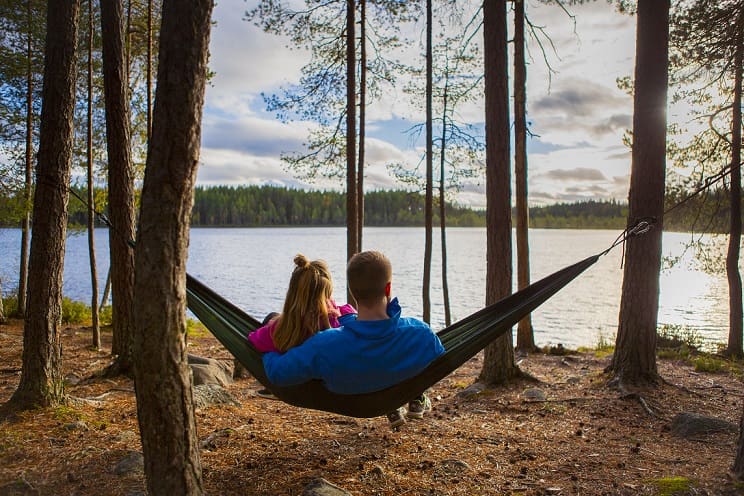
578, 115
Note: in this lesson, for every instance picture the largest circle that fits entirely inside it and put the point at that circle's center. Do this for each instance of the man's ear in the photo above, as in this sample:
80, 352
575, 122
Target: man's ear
387, 289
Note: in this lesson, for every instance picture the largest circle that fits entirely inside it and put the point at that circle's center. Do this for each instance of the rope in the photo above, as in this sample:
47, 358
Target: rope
100, 215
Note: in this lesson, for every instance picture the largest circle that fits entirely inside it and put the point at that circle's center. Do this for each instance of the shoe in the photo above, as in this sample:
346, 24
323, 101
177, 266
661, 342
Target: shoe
397, 417
265, 393
418, 407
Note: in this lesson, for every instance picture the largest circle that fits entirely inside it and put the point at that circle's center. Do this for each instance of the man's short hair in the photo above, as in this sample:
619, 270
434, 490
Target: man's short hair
368, 273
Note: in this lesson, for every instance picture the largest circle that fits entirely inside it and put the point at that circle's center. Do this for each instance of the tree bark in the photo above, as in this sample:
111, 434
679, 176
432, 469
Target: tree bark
429, 194
26, 222
634, 360
362, 120
734, 347
121, 183
41, 375
163, 385
149, 70
352, 215
2, 309
525, 335
443, 204
498, 363
95, 327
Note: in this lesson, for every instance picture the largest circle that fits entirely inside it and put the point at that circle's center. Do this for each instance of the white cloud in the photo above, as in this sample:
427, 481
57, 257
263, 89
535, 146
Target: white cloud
578, 112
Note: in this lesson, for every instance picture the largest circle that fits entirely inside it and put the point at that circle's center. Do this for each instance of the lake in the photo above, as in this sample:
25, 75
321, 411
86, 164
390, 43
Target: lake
251, 267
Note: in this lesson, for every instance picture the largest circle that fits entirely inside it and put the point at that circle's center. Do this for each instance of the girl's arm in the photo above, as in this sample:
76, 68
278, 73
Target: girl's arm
262, 338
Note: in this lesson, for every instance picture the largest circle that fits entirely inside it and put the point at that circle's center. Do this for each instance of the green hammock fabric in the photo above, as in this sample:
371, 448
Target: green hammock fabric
461, 341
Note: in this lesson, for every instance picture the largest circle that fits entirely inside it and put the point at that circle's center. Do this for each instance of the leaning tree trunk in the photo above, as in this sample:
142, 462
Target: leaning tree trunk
163, 385
734, 347
634, 360
525, 335
121, 183
26, 222
498, 363
352, 218
41, 375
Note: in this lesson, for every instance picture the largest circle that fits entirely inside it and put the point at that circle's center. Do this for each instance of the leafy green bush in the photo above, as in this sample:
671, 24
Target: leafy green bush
10, 306
75, 312
105, 315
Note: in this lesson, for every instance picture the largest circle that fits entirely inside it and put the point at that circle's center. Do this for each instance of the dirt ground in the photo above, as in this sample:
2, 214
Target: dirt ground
583, 439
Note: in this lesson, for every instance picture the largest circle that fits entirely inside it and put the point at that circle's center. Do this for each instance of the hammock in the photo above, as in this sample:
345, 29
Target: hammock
461, 341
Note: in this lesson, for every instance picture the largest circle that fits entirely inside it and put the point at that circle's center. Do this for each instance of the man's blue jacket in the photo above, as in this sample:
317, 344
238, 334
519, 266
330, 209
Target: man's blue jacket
361, 356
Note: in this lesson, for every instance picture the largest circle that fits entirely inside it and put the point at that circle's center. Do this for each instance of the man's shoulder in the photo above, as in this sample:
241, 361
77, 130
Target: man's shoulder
413, 322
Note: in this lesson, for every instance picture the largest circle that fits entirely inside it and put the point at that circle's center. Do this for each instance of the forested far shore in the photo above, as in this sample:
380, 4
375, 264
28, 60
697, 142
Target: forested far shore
274, 206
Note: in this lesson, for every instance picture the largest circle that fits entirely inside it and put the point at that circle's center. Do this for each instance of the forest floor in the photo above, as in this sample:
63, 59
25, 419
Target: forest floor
583, 438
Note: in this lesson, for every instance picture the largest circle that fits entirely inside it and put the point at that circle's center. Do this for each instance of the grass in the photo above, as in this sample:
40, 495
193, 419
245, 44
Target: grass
602, 349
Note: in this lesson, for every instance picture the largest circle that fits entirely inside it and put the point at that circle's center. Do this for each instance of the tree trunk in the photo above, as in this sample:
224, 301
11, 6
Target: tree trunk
2, 310
525, 335
149, 70
352, 215
428, 204
362, 120
442, 204
634, 360
121, 183
734, 347
106, 289
41, 376
498, 363
96, 328
26, 222
163, 385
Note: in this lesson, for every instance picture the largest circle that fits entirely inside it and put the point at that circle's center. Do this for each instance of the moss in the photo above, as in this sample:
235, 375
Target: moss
64, 413
670, 486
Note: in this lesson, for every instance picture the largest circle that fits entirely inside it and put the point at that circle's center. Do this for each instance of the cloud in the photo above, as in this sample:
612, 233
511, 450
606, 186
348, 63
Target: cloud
244, 58
578, 174
254, 135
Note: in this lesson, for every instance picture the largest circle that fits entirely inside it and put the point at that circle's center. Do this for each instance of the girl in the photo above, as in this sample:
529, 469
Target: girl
308, 308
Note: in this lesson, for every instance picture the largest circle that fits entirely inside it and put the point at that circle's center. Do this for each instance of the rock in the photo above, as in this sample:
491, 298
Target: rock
239, 371
473, 390
573, 380
321, 487
76, 426
534, 394
19, 488
213, 440
454, 466
209, 371
72, 380
127, 437
133, 463
688, 424
212, 394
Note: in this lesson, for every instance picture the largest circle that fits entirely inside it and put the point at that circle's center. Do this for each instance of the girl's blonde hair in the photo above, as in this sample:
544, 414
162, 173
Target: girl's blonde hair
306, 305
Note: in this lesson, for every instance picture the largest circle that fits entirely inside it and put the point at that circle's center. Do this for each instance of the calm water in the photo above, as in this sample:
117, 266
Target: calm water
251, 267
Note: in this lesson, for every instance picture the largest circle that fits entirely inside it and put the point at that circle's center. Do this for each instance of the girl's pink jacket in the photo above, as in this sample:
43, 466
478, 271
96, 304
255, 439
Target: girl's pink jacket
262, 338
